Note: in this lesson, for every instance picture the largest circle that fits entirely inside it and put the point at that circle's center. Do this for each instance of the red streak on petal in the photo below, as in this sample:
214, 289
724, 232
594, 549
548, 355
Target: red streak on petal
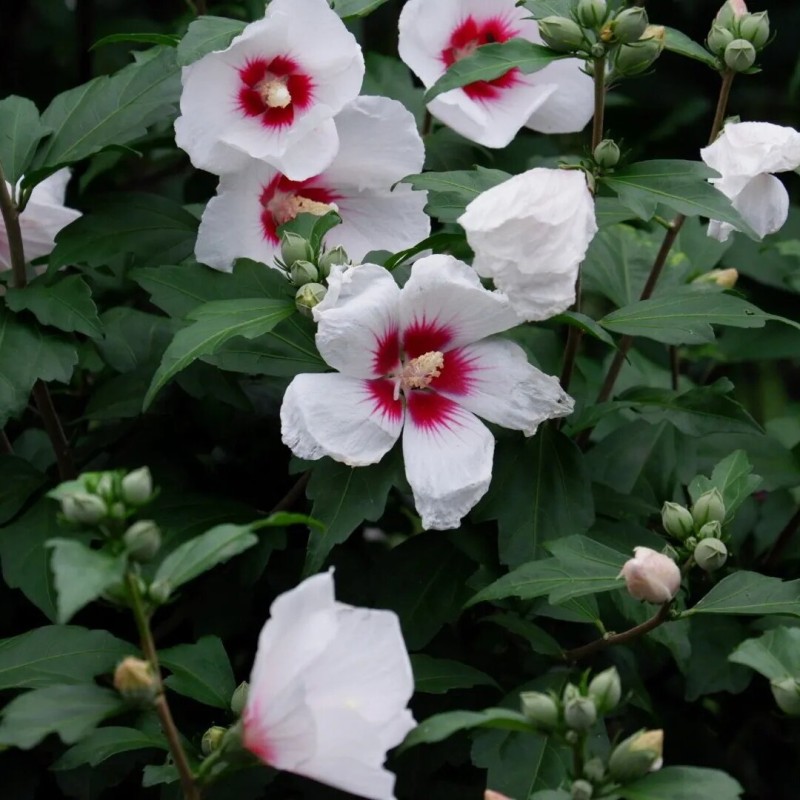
431, 411
458, 373
422, 336
278, 192
386, 355
253, 737
381, 393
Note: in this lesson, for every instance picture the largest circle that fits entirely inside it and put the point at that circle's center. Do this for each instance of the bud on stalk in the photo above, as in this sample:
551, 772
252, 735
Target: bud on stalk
580, 714
718, 39
303, 272
212, 739
709, 507
561, 34
84, 508
606, 154
581, 790
134, 678
605, 689
592, 13
541, 709
710, 554
786, 692
636, 756
755, 28
295, 248
308, 296
137, 487
740, 55
629, 25
143, 540
677, 520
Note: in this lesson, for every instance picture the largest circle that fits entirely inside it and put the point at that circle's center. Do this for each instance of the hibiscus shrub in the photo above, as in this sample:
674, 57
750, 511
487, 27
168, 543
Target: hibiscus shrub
480, 412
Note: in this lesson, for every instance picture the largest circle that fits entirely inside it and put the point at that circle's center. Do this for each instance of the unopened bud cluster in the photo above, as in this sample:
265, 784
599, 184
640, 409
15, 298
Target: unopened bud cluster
737, 36
699, 530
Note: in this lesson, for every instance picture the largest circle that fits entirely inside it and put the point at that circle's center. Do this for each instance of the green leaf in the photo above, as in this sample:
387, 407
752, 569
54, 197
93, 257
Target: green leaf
750, 593
82, 575
216, 323
679, 185
490, 61
440, 675
774, 655
680, 43
683, 783
153, 229
708, 671
585, 324
66, 304
165, 39
28, 355
540, 490
205, 35
684, 317
201, 671
102, 743
344, 497
58, 654
449, 193
69, 711
356, 8
20, 132
550, 8
732, 476
204, 552
19, 479
110, 110
442, 726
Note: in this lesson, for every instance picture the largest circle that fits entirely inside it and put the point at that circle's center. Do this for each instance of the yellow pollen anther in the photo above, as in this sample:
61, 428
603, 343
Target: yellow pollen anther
274, 93
420, 371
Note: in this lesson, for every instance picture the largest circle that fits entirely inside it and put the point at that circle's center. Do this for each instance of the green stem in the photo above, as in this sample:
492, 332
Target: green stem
190, 790
578, 756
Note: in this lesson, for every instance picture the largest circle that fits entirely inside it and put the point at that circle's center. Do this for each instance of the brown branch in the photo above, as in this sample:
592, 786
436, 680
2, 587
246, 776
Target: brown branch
293, 495
5, 444
781, 543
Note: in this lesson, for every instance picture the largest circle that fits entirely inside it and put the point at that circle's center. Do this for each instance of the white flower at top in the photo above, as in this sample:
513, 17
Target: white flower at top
379, 146
328, 690
417, 361
745, 154
44, 216
434, 35
273, 93
530, 234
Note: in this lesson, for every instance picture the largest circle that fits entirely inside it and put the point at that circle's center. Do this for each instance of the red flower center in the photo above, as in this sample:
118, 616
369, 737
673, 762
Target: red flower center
274, 90
282, 200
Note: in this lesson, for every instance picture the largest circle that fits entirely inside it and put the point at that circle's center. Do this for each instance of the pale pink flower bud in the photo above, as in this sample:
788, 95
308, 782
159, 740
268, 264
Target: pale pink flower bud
490, 795
651, 576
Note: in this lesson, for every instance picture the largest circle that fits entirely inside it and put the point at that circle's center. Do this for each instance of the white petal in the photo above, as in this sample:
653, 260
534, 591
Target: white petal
750, 148
357, 323
764, 204
570, 107
345, 418
53, 189
720, 230
448, 456
444, 294
309, 154
498, 384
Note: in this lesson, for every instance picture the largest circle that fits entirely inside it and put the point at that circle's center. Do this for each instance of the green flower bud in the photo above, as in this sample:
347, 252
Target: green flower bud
594, 769
691, 542
581, 790
629, 25
711, 530
105, 486
708, 507
212, 739
137, 487
740, 55
580, 713
295, 248
605, 689
142, 540
637, 755
786, 692
135, 679
327, 260
755, 28
87, 509
718, 39
308, 296
571, 691
541, 709
561, 34
724, 278
677, 520
239, 698
159, 592
710, 554
597, 50
731, 11
303, 272
637, 57
606, 154
592, 13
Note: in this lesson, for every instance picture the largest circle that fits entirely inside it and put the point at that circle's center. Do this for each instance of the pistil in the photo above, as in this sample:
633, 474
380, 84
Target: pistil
418, 372
274, 92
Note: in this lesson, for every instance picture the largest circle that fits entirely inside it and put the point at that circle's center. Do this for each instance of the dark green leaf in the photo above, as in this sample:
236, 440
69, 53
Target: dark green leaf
206, 34
683, 783
201, 671
440, 675
439, 243
19, 479
356, 8
550, 8
442, 726
135, 341
732, 476
708, 671
774, 655
750, 593
680, 43
585, 324
20, 132
102, 743
165, 39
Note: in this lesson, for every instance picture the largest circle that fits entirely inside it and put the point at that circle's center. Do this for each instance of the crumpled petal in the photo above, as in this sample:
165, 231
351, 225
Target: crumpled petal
570, 107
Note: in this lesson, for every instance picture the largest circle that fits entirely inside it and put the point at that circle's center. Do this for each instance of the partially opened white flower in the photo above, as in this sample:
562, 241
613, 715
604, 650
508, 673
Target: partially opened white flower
745, 155
416, 361
273, 93
434, 35
530, 234
328, 690
379, 146
44, 216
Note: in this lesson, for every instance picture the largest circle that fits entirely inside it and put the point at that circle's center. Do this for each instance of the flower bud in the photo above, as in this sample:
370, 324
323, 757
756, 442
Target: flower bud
239, 698
137, 486
490, 795
740, 55
677, 520
592, 13
708, 507
159, 592
710, 554
104, 486
212, 739
724, 278
711, 530
637, 57
581, 790
134, 678
597, 50
651, 576
303, 272
730, 12
142, 540
295, 248
594, 769
637, 755
540, 708
87, 509
786, 692
718, 39
337, 255
755, 28
309, 296
571, 691
629, 25
606, 154
605, 689
580, 713
561, 34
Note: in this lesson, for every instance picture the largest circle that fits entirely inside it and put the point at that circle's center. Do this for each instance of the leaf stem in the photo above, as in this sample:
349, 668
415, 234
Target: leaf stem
190, 790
